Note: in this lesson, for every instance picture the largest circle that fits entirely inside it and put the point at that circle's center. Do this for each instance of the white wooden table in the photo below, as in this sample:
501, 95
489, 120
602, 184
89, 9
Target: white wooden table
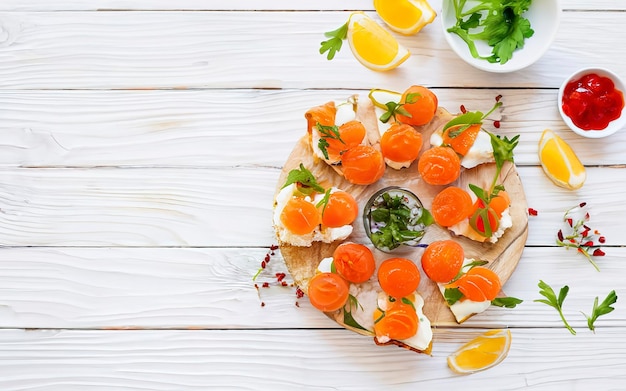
141, 141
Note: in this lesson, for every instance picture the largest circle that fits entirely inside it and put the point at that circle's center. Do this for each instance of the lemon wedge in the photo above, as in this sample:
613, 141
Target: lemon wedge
405, 16
483, 352
380, 97
372, 45
559, 161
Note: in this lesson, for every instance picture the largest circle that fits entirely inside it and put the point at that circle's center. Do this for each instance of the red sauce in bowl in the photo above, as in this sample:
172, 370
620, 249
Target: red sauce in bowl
592, 102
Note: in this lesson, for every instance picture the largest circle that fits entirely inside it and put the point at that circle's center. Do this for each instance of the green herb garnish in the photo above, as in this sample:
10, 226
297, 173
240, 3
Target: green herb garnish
499, 23
468, 119
555, 302
304, 178
394, 108
333, 45
502, 152
599, 310
393, 217
348, 319
452, 295
324, 201
506, 302
327, 132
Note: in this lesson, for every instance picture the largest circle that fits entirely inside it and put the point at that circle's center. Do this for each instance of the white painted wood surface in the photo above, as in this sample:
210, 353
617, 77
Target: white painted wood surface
141, 143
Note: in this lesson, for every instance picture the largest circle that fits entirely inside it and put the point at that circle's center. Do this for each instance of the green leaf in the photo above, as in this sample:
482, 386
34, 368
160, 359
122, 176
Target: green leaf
324, 201
349, 320
333, 45
412, 97
469, 118
562, 294
408, 302
426, 218
327, 132
472, 22
602, 309
452, 295
506, 302
322, 145
480, 193
554, 302
500, 24
473, 264
304, 177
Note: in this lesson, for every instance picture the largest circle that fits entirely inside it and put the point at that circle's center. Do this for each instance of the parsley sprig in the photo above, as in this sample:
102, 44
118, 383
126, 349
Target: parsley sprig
307, 184
395, 108
305, 179
499, 23
333, 45
467, 120
599, 310
348, 319
555, 301
502, 152
327, 132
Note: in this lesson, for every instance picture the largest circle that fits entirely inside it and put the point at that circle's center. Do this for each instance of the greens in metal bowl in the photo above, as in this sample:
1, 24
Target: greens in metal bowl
393, 217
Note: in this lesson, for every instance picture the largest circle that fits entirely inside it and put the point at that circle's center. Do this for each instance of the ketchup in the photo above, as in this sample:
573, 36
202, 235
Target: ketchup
592, 102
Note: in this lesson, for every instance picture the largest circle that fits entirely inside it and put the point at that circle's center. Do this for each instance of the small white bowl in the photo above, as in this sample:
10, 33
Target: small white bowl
614, 125
544, 16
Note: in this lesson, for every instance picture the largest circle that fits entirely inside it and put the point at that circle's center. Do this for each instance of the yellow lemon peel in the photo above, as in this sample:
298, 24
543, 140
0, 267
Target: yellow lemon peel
406, 17
372, 45
560, 162
483, 352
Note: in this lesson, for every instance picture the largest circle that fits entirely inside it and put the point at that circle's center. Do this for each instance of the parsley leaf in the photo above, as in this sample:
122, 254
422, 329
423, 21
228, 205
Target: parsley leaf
468, 119
348, 319
327, 132
506, 302
324, 201
394, 108
303, 177
555, 302
333, 45
599, 310
452, 295
500, 24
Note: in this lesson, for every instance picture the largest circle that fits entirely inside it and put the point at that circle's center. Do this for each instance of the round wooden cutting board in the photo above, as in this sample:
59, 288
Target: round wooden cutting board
502, 256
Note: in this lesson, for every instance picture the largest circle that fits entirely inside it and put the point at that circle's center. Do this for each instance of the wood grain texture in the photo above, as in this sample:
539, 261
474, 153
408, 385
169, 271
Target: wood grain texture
198, 207
203, 5
133, 50
181, 288
295, 359
205, 128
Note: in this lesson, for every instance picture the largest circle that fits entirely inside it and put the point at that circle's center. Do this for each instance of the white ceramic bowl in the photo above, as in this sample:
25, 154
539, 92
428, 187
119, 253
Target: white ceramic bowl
614, 125
544, 16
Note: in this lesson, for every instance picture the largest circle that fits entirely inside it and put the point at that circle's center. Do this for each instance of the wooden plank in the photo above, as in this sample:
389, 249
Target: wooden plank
203, 5
147, 288
207, 128
295, 359
132, 50
178, 207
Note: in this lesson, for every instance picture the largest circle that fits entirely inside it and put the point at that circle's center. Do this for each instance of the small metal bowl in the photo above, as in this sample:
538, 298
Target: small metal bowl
373, 226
